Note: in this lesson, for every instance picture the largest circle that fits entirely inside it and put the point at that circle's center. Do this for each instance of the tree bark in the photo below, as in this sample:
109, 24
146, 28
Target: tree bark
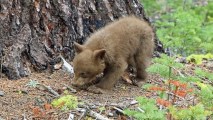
33, 32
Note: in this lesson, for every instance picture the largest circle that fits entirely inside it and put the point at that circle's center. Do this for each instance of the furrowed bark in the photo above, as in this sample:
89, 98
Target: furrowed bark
33, 32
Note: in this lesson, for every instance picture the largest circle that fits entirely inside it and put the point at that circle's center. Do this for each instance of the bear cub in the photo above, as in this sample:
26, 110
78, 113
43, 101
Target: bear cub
110, 50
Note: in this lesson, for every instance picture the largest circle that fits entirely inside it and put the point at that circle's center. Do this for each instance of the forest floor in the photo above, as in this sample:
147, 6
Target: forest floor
22, 102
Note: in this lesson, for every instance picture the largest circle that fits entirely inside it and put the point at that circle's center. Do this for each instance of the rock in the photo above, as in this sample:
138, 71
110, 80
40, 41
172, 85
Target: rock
181, 60
1, 118
133, 102
110, 114
1, 93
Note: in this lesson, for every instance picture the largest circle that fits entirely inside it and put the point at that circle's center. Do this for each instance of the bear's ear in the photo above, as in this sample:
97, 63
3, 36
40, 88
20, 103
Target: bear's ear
78, 48
99, 54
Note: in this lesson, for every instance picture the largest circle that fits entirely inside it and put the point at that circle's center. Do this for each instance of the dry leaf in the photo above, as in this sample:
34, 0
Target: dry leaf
36, 111
178, 83
47, 106
181, 93
190, 90
163, 102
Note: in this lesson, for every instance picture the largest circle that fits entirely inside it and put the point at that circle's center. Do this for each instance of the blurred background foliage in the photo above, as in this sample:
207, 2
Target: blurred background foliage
184, 26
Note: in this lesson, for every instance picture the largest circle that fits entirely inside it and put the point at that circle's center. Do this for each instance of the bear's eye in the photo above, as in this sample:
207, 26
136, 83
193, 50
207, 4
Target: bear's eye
84, 74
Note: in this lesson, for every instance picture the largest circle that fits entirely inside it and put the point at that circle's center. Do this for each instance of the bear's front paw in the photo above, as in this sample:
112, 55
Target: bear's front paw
96, 90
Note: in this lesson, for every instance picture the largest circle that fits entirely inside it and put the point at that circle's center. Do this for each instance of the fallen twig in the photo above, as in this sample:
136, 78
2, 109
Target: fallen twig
119, 110
140, 110
71, 116
24, 116
97, 115
83, 114
86, 110
71, 89
50, 90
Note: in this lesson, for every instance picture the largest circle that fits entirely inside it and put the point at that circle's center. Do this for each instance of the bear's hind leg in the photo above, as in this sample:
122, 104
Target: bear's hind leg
142, 62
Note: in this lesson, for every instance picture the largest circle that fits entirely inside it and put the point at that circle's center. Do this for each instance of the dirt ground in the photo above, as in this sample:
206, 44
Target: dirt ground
19, 100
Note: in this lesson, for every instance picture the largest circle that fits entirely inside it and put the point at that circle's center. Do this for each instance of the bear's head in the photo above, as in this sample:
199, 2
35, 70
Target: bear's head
87, 65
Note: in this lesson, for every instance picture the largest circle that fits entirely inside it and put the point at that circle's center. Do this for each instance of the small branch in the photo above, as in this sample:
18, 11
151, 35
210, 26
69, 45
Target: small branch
50, 90
140, 110
175, 95
24, 116
174, 98
83, 114
119, 110
170, 71
71, 89
97, 115
87, 111
71, 116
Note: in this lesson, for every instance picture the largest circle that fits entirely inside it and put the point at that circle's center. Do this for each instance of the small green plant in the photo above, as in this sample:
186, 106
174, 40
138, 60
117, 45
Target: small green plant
176, 33
185, 28
197, 59
153, 7
176, 85
196, 112
205, 95
165, 66
147, 110
182, 25
32, 83
205, 74
66, 102
180, 85
101, 109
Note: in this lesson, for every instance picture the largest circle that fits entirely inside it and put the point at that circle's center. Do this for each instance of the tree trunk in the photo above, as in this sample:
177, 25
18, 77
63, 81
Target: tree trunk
33, 32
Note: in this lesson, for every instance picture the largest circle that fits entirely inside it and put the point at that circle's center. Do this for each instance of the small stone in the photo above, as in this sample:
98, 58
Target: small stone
1, 118
181, 60
1, 93
110, 114
133, 102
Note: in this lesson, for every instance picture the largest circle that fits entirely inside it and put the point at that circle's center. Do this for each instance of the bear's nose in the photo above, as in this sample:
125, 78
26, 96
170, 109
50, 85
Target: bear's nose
73, 83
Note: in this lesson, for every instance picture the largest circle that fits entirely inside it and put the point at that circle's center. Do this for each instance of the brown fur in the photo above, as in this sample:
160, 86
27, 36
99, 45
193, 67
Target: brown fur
127, 41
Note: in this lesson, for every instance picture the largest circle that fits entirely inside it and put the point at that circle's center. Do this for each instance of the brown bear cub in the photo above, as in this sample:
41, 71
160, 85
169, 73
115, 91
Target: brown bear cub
127, 41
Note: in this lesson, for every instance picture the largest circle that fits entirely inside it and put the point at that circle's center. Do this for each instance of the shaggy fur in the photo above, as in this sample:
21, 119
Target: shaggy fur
127, 41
